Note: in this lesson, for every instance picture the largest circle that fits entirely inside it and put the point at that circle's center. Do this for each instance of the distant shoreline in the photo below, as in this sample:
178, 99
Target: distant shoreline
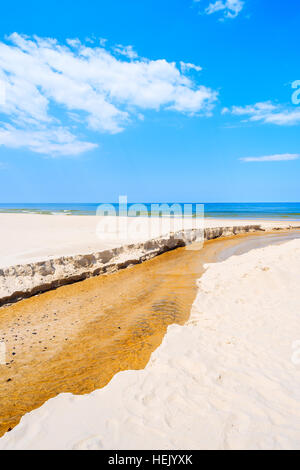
258, 211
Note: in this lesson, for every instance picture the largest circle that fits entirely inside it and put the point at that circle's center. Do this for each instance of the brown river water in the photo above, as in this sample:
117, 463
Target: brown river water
77, 337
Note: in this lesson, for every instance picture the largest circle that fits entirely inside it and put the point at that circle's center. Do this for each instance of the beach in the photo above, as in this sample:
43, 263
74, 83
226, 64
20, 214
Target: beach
149, 228
42, 252
198, 356
27, 238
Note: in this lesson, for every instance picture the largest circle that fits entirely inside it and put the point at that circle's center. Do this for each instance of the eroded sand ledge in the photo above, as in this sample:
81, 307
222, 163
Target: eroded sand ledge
24, 280
228, 379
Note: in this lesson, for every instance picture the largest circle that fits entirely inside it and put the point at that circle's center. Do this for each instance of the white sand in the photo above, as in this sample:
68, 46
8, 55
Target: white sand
39, 252
27, 238
226, 380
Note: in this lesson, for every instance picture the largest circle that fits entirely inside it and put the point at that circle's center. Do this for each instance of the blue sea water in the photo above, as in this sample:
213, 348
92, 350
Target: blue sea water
290, 211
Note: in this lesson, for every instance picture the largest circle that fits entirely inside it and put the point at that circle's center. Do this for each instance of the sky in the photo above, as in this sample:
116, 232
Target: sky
162, 101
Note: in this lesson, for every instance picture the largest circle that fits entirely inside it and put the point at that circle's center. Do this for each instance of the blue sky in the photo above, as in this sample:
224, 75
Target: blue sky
174, 100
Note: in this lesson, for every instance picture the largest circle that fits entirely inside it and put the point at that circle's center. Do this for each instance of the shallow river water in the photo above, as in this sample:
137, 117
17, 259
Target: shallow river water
77, 337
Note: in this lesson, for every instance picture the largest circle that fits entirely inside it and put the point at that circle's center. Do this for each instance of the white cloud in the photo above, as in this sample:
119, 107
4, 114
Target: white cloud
73, 42
2, 92
50, 86
127, 51
273, 158
192, 100
267, 112
186, 66
57, 141
230, 8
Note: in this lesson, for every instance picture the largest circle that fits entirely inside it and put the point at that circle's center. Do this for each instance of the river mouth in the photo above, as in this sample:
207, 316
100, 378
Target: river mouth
76, 338
253, 242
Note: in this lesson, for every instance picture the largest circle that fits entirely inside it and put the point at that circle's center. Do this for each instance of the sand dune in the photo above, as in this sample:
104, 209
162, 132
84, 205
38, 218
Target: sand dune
228, 379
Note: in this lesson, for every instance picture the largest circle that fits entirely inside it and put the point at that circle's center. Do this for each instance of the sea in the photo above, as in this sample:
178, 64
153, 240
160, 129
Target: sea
272, 211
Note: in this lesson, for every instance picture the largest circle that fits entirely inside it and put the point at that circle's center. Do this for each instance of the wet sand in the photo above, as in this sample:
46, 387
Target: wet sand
76, 338
253, 242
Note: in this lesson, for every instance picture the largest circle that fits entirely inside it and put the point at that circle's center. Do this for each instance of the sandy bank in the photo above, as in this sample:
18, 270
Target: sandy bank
27, 238
39, 252
74, 339
226, 380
